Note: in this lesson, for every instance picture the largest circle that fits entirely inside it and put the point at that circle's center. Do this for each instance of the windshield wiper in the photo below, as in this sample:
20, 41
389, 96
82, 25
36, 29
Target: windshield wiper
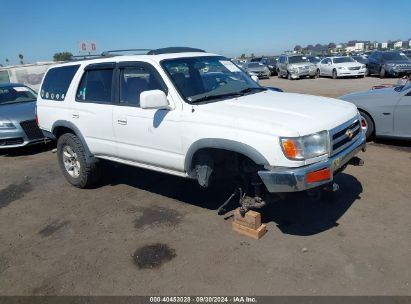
233, 94
248, 90
211, 97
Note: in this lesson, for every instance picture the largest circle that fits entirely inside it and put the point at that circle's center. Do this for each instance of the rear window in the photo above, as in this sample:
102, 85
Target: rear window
57, 82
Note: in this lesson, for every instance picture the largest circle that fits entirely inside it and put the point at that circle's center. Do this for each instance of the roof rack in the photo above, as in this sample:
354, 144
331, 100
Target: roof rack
113, 52
177, 49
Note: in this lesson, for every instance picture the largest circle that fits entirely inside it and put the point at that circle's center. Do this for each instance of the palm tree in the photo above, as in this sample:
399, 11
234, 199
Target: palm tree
21, 58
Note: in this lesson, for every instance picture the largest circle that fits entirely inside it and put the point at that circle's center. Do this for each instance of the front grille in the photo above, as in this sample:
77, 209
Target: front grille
11, 141
354, 68
304, 68
344, 137
31, 129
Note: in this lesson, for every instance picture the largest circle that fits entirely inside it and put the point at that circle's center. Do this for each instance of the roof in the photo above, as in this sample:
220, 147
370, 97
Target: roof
155, 58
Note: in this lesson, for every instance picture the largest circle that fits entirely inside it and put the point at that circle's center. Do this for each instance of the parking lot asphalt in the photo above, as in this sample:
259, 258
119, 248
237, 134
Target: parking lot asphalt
146, 233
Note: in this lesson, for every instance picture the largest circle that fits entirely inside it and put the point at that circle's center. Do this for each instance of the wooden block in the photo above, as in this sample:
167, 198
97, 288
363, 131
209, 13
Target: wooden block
251, 219
253, 233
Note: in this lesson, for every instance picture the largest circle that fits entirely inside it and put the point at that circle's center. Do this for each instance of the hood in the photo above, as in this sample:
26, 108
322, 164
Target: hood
18, 111
348, 64
257, 69
301, 64
281, 114
369, 94
407, 62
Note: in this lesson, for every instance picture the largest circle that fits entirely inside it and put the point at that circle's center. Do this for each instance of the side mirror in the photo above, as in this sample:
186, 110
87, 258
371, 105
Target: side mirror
154, 99
255, 78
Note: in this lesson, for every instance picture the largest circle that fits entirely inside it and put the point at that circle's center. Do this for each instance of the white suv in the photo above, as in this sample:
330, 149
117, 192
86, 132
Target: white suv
196, 115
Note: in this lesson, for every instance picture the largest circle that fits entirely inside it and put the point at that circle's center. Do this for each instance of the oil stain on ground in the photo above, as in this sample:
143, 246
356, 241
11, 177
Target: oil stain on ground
53, 227
157, 216
153, 256
14, 192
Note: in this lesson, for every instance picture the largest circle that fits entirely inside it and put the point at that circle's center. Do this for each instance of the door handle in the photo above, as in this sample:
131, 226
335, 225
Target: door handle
122, 121
76, 115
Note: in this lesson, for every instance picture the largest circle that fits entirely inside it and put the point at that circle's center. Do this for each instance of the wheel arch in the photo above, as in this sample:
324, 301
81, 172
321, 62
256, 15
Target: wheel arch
61, 127
222, 144
360, 109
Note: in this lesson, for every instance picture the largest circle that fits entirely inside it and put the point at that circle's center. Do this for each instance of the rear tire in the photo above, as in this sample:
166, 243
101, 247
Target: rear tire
335, 75
73, 162
289, 76
368, 123
318, 75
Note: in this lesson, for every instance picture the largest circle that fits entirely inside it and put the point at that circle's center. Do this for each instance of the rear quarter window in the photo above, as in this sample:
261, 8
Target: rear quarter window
4, 77
57, 82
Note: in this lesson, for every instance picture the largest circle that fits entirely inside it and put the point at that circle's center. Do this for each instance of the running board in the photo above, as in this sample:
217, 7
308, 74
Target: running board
144, 166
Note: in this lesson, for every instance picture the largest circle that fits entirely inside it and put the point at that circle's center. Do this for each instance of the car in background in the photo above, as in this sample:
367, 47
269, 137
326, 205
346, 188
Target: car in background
390, 63
314, 59
407, 53
270, 62
18, 125
340, 67
257, 68
360, 58
384, 112
295, 67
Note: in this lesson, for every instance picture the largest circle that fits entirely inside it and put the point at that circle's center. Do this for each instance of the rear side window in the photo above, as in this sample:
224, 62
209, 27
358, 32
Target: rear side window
96, 86
57, 82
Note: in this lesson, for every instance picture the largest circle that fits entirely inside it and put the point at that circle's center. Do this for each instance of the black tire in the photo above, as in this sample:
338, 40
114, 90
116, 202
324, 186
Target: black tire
289, 76
88, 172
370, 125
318, 74
335, 75
382, 73
279, 73
367, 72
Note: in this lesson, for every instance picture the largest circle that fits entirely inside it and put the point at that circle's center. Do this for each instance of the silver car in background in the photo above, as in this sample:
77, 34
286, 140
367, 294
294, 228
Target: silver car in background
384, 112
18, 125
295, 67
257, 68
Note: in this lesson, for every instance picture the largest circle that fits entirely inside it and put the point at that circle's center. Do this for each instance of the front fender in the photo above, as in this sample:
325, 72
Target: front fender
223, 144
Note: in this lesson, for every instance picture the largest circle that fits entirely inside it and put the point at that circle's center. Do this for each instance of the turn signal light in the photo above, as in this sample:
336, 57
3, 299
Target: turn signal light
290, 148
318, 176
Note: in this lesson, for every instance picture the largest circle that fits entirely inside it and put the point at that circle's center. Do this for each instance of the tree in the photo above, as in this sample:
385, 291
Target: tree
7, 61
21, 58
297, 48
62, 56
252, 55
242, 56
332, 45
310, 47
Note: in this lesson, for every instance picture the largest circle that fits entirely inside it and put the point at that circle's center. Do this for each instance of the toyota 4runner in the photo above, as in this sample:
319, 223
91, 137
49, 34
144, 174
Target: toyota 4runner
196, 115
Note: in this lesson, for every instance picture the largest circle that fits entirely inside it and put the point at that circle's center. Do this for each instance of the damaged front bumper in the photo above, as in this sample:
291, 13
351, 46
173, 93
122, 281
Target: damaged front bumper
295, 179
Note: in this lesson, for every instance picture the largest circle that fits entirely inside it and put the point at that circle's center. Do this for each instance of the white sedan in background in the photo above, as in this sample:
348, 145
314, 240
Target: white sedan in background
340, 67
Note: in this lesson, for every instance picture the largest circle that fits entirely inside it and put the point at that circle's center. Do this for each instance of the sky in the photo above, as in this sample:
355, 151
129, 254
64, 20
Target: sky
38, 29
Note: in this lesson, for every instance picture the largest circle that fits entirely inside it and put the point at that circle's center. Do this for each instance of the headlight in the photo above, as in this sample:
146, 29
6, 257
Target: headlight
6, 125
293, 69
363, 66
342, 68
305, 147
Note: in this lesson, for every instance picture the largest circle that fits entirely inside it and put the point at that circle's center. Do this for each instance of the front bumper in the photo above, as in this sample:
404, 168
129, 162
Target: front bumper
303, 73
294, 179
16, 138
342, 73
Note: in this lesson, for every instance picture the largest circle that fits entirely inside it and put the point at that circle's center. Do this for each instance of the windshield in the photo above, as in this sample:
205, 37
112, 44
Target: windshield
16, 94
297, 59
394, 56
314, 59
209, 77
343, 59
254, 65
